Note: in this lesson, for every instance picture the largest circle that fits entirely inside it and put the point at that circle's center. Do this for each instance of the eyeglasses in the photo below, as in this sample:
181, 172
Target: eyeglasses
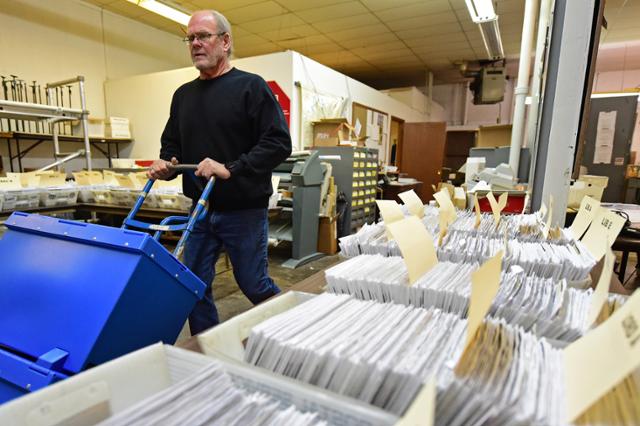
201, 37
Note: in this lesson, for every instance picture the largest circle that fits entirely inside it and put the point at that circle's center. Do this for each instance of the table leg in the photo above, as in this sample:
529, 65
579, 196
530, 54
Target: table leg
10, 154
623, 266
19, 154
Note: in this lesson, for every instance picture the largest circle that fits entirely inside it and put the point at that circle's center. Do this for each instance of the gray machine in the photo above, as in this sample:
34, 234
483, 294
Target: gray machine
301, 175
498, 155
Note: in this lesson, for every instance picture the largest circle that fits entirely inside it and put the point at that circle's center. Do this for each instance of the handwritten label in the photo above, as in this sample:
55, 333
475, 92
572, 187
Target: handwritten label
605, 227
588, 209
597, 362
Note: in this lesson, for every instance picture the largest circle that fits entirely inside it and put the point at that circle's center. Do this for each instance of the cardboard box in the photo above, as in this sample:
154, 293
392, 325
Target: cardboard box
492, 136
328, 235
118, 128
331, 131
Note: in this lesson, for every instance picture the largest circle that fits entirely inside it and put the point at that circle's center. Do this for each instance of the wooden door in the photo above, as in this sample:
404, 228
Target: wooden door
423, 154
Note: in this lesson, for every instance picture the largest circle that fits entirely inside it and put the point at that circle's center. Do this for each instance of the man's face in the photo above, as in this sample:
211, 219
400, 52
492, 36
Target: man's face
206, 52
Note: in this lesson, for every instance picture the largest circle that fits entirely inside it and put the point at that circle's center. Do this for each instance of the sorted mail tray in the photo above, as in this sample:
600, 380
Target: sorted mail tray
227, 338
74, 295
97, 394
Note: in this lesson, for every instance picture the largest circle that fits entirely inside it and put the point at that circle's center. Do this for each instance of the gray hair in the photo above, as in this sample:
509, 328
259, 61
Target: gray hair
223, 25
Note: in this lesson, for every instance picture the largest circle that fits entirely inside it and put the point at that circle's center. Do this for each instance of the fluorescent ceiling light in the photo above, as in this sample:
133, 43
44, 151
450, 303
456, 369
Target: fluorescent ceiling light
163, 10
483, 14
481, 10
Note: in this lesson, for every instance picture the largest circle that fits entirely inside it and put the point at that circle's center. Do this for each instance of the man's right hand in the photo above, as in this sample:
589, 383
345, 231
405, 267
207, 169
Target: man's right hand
160, 169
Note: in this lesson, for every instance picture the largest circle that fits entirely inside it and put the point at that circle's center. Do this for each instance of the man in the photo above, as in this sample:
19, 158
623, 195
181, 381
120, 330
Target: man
229, 123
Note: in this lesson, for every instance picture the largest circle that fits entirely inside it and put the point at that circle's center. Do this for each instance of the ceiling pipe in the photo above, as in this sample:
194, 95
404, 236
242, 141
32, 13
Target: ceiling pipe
522, 86
536, 82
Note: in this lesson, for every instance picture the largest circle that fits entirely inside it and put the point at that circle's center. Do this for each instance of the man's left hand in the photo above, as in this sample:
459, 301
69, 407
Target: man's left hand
208, 167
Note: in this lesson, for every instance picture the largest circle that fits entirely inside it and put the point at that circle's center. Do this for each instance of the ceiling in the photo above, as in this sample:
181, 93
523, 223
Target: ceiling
385, 43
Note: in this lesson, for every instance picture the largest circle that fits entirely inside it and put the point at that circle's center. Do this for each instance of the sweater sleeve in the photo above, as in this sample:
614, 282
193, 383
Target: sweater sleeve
273, 144
170, 140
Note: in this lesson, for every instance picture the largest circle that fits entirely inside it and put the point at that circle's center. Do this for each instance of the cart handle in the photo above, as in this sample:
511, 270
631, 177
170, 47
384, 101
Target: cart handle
198, 212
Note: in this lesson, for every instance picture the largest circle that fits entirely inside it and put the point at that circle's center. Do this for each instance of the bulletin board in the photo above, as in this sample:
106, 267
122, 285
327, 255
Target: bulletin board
374, 124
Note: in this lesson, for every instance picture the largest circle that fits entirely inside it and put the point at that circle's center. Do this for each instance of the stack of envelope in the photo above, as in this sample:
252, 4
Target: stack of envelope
210, 397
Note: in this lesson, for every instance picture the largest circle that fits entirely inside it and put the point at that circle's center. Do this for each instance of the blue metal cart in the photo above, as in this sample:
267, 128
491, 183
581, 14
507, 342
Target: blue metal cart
74, 294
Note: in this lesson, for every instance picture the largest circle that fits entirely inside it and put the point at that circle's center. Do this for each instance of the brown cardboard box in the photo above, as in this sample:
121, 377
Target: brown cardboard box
492, 136
330, 131
328, 235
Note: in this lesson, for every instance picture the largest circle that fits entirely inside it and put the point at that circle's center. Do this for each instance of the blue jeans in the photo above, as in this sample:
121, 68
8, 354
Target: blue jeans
244, 234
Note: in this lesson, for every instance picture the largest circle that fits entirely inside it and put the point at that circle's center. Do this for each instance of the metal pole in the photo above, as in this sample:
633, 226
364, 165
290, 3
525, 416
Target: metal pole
85, 123
522, 87
536, 82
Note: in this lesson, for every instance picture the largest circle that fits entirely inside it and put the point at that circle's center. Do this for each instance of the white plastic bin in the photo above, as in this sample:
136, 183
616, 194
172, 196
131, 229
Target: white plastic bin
96, 394
59, 196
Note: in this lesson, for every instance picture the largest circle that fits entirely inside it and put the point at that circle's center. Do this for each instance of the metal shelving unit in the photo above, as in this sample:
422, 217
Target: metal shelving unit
355, 174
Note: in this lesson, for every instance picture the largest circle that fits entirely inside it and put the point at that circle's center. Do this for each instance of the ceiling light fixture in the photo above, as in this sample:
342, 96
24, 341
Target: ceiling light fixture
163, 10
483, 14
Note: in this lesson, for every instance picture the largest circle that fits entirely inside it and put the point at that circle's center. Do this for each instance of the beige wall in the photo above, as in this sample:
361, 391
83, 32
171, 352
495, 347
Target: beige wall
53, 40
145, 99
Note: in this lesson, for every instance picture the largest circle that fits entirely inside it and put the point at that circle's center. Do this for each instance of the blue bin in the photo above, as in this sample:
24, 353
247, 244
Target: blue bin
74, 295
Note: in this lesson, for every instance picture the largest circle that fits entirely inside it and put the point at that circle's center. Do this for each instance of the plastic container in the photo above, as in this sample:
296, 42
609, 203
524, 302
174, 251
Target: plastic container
106, 390
75, 295
59, 196
102, 194
16, 199
173, 201
123, 197
227, 341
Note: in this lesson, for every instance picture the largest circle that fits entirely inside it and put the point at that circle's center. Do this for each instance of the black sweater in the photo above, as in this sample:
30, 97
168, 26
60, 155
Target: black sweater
233, 118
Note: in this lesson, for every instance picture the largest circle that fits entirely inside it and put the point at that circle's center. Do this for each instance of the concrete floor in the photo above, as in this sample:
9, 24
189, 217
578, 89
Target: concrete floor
227, 295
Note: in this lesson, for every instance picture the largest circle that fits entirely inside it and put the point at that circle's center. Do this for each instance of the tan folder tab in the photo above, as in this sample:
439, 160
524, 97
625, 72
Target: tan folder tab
413, 203
422, 410
605, 227
81, 178
124, 181
110, 177
390, 211
484, 287
95, 177
546, 227
27, 180
599, 296
447, 209
588, 209
416, 246
476, 207
10, 183
497, 206
51, 179
602, 358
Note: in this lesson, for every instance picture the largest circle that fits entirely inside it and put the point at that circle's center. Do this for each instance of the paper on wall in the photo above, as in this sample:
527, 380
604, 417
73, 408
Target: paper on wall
416, 246
588, 209
604, 137
602, 358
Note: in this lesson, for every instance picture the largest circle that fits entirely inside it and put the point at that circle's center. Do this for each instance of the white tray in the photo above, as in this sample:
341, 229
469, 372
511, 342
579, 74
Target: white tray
103, 391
